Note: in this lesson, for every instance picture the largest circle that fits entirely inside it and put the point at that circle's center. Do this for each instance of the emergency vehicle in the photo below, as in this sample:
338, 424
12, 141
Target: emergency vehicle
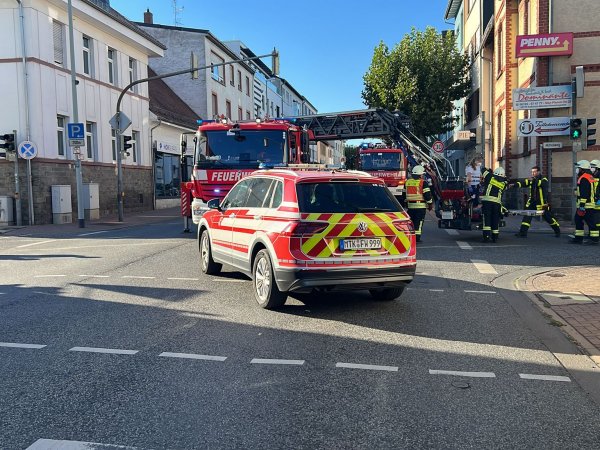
297, 231
389, 164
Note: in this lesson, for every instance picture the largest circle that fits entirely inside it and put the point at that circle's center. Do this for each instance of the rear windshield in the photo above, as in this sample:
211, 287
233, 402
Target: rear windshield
347, 197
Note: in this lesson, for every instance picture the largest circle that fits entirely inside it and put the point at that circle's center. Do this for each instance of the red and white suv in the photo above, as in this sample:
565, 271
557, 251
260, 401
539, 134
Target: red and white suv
299, 231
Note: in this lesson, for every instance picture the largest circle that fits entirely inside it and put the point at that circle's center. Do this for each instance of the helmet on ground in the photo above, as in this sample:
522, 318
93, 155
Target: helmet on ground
583, 164
595, 163
499, 171
418, 170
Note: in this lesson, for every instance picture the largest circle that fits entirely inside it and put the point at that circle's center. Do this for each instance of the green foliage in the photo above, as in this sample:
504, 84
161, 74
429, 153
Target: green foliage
351, 154
421, 76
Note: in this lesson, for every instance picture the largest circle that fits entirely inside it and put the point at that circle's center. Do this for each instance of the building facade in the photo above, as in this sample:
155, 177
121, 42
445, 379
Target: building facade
35, 65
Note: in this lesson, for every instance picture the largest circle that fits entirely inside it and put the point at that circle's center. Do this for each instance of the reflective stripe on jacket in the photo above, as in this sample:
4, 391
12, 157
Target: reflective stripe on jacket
538, 192
418, 193
586, 191
494, 187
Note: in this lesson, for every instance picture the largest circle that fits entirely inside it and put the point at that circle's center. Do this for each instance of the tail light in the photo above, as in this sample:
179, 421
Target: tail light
404, 225
304, 228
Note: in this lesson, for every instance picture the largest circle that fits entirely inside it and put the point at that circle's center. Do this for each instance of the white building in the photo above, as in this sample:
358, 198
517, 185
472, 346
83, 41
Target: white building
36, 90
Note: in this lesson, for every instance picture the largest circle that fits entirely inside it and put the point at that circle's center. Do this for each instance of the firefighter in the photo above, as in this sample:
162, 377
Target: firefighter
538, 200
586, 204
491, 201
595, 165
418, 197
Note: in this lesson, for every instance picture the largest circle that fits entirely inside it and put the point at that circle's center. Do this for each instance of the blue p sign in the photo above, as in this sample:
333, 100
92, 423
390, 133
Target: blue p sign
76, 131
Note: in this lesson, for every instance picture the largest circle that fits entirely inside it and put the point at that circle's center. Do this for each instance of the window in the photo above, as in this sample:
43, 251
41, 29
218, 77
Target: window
499, 52
133, 74
60, 134
134, 146
277, 195
87, 56
112, 65
90, 139
113, 144
217, 72
471, 5
237, 196
240, 114
240, 80
228, 109
259, 188
248, 116
525, 29
248, 86
59, 42
167, 178
215, 105
231, 76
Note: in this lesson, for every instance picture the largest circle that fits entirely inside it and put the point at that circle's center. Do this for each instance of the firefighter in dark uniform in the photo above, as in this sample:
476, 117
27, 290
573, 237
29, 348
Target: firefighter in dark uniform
595, 165
491, 202
538, 200
418, 198
586, 204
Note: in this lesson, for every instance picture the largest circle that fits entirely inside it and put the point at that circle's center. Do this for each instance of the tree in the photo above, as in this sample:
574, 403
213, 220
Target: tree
421, 77
351, 154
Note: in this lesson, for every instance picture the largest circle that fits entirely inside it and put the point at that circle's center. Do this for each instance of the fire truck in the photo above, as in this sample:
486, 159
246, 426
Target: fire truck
389, 164
225, 151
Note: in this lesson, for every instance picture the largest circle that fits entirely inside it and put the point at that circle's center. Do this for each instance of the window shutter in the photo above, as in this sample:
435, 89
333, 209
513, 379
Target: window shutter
58, 42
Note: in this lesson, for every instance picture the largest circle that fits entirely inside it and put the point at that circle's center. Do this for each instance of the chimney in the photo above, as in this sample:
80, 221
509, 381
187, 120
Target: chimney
148, 17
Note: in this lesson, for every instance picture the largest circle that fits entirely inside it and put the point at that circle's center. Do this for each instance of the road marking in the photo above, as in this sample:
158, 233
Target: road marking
94, 276
436, 290
17, 345
94, 232
48, 276
2, 293
291, 362
184, 279
452, 232
528, 376
367, 367
483, 266
464, 245
138, 277
229, 281
52, 444
36, 243
193, 356
480, 292
463, 374
115, 351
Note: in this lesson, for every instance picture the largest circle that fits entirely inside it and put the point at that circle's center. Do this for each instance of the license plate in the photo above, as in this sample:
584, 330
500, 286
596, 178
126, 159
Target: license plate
360, 244
447, 215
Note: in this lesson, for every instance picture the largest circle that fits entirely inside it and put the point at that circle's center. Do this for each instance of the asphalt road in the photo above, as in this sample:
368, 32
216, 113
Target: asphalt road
117, 338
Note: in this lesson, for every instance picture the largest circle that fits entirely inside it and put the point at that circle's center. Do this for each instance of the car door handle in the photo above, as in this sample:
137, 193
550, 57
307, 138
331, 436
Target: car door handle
258, 217
232, 215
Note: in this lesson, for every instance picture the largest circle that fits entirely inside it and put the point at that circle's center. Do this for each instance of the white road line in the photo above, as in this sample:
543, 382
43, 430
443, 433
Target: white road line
436, 290
115, 351
480, 292
184, 279
367, 367
463, 374
528, 376
452, 232
2, 293
36, 243
48, 276
94, 276
94, 232
138, 277
229, 281
52, 444
290, 362
483, 266
193, 356
17, 345
464, 245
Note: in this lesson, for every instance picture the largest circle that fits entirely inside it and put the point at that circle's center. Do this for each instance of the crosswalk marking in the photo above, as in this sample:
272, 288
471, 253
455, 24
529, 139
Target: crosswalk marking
483, 266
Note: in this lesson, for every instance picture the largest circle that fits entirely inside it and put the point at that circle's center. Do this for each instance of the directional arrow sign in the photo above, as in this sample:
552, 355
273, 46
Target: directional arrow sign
120, 122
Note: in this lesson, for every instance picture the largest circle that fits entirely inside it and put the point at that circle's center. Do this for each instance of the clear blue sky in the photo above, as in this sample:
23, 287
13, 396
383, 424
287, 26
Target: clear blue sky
325, 46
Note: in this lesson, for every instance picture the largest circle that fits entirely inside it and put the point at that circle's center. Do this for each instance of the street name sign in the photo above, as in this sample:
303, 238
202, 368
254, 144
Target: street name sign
551, 145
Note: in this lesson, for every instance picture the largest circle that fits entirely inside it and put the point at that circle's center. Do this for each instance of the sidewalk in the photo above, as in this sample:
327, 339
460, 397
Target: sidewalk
571, 295
104, 223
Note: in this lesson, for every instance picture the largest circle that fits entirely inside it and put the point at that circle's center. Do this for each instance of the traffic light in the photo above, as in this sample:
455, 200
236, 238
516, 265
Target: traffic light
126, 144
586, 141
575, 129
9, 142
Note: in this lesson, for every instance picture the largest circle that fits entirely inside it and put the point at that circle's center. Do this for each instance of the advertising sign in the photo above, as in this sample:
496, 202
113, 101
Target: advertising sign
549, 126
555, 44
542, 97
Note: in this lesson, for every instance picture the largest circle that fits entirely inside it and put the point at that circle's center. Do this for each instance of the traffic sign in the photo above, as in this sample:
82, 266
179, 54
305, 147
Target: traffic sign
438, 146
75, 131
76, 143
27, 150
550, 145
120, 122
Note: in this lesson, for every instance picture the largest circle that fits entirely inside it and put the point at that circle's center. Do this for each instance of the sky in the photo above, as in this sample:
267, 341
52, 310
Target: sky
325, 46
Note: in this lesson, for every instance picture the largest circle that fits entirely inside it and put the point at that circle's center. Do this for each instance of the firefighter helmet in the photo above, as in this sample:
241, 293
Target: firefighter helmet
583, 164
595, 163
499, 171
418, 170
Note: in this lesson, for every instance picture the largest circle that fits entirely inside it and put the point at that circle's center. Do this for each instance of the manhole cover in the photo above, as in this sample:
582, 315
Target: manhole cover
555, 275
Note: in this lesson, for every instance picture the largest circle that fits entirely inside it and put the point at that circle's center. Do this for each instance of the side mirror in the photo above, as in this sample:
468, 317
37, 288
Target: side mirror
213, 204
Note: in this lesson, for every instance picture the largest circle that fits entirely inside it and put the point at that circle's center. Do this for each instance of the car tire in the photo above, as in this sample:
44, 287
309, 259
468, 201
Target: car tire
266, 292
207, 263
386, 294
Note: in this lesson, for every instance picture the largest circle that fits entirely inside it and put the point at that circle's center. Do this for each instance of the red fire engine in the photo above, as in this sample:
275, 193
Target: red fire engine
389, 164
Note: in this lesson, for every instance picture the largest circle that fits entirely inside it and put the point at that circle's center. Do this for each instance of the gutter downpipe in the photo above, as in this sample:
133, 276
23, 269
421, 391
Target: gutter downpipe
153, 164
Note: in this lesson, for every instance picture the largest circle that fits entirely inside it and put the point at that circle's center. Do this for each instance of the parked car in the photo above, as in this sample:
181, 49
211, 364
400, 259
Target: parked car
301, 231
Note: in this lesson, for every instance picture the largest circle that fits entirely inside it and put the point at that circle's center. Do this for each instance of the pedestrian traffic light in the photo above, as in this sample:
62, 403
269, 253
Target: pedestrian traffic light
575, 129
588, 131
126, 144
9, 142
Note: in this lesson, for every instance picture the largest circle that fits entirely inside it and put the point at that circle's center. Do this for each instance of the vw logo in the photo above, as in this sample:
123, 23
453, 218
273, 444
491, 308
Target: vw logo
362, 227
